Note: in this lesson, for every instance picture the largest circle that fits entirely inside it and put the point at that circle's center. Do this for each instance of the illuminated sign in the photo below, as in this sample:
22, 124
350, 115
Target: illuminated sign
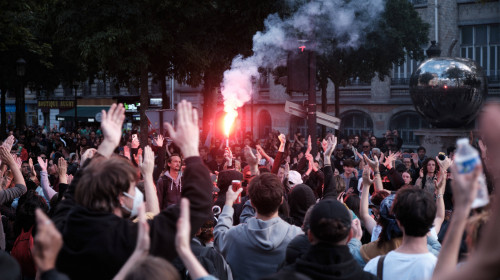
132, 108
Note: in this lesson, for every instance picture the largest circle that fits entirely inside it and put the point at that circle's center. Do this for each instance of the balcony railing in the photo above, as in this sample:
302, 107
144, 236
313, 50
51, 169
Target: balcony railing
400, 81
494, 79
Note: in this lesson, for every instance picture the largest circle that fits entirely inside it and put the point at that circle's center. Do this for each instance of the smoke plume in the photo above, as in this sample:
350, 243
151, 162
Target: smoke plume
322, 21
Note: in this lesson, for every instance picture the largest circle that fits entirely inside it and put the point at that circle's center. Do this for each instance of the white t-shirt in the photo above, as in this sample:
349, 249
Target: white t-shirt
404, 266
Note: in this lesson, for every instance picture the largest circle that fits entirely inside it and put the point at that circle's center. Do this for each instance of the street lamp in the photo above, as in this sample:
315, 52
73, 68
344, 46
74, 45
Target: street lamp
20, 102
75, 86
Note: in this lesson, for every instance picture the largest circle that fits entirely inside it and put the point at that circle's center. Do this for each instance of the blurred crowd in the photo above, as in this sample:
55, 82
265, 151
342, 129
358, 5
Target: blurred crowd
97, 204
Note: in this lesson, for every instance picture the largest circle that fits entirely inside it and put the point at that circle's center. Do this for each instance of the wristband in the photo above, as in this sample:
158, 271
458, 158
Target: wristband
439, 195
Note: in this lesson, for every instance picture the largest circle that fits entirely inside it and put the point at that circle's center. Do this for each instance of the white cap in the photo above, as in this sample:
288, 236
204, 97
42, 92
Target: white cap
294, 178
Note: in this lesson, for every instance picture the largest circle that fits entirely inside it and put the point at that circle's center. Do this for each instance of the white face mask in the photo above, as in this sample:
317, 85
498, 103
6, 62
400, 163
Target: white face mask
138, 199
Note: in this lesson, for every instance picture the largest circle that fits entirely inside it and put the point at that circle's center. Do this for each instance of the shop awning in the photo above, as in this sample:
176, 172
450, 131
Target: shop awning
84, 113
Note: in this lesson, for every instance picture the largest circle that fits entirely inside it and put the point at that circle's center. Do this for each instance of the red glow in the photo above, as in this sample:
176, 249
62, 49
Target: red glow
302, 48
445, 86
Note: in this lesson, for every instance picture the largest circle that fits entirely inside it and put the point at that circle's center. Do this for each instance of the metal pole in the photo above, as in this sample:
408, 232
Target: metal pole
311, 106
76, 107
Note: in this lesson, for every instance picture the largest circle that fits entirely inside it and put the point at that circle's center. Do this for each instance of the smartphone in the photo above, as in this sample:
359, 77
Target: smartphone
236, 186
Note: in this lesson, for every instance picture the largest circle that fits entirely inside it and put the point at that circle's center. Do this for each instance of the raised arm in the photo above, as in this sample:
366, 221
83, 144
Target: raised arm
330, 190
464, 188
365, 217
147, 166
440, 187
44, 180
252, 161
374, 165
197, 186
279, 155
111, 125
20, 185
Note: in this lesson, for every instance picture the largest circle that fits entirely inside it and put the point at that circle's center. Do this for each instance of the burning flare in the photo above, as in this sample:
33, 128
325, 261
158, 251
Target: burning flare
229, 120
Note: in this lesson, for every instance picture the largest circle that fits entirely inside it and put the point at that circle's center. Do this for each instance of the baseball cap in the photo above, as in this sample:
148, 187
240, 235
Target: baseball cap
294, 178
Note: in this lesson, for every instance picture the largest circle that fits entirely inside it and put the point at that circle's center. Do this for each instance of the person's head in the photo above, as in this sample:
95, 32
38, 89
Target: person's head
349, 166
154, 268
266, 193
294, 178
219, 157
174, 163
356, 139
25, 168
330, 222
376, 152
373, 141
339, 184
406, 177
225, 179
430, 166
407, 162
353, 201
203, 152
366, 147
206, 232
414, 210
108, 185
336, 172
351, 139
421, 152
52, 167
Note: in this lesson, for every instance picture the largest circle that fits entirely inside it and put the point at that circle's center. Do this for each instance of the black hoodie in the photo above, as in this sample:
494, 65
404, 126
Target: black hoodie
327, 261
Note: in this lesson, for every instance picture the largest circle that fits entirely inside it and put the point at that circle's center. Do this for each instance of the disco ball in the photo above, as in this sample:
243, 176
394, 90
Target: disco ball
448, 92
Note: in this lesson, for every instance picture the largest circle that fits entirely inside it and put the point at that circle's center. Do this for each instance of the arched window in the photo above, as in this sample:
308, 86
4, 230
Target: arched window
265, 124
406, 123
355, 122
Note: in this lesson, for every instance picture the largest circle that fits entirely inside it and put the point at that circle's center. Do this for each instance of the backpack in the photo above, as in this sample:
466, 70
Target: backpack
21, 251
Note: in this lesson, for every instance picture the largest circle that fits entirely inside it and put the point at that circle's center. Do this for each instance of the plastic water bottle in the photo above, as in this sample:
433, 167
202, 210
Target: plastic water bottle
466, 160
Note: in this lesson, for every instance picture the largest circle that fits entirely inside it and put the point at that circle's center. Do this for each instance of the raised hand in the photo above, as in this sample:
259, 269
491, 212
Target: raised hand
159, 141
47, 243
111, 127
62, 166
444, 164
143, 241
309, 145
464, 186
366, 177
112, 122
374, 164
42, 163
231, 195
126, 151
7, 144
186, 133
147, 164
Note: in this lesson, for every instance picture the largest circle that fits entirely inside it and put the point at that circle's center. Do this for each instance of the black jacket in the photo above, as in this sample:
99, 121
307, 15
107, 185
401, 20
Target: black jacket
326, 261
97, 244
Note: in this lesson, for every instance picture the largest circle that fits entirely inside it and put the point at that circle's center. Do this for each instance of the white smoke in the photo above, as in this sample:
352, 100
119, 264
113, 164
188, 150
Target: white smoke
323, 21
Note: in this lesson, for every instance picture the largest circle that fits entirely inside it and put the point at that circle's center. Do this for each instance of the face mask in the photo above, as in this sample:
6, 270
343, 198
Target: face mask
138, 199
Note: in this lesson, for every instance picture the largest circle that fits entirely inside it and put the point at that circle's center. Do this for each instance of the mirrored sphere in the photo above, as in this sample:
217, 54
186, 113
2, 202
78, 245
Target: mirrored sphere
448, 92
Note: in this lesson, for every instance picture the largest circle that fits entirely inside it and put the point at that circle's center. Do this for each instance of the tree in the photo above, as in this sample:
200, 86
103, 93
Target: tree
399, 31
120, 39
20, 28
212, 33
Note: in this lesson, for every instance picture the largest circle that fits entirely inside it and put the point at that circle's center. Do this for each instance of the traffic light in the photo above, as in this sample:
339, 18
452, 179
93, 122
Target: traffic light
298, 70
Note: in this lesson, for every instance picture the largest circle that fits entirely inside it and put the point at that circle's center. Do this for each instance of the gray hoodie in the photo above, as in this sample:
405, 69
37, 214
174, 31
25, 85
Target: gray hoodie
256, 248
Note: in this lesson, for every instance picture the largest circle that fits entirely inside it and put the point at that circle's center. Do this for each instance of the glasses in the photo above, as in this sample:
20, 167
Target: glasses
366, 146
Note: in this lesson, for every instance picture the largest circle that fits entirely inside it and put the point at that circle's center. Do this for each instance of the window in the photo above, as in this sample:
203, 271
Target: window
355, 122
482, 44
265, 124
406, 123
401, 73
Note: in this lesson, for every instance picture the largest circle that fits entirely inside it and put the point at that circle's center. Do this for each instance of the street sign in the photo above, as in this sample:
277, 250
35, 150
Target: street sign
154, 117
321, 118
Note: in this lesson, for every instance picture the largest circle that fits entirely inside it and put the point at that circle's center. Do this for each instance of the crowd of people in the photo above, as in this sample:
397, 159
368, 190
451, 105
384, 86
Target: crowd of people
98, 204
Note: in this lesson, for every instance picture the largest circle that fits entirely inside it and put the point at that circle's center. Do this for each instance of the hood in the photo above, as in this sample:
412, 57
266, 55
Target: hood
268, 235
326, 261
226, 177
299, 200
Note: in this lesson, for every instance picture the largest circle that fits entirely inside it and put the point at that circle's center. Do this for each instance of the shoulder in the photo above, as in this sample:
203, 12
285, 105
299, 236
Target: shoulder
371, 266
